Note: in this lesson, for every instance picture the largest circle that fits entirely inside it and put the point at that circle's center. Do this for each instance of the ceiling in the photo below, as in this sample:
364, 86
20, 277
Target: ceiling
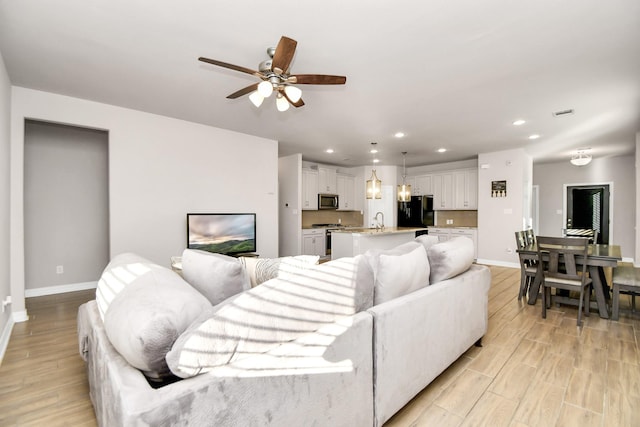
449, 74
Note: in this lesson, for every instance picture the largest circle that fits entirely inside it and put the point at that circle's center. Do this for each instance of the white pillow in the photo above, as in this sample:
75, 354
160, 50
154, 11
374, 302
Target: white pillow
450, 258
260, 270
398, 271
427, 241
121, 271
215, 276
278, 311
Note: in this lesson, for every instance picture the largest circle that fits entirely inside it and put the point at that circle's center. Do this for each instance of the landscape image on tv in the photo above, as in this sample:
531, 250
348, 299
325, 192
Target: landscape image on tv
222, 233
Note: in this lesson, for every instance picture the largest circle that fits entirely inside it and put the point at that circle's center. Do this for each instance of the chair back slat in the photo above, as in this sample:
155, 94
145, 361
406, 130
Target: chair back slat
562, 253
521, 241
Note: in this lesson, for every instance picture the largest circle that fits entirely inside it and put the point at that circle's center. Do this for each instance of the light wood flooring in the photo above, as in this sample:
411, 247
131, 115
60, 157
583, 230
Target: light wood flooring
529, 372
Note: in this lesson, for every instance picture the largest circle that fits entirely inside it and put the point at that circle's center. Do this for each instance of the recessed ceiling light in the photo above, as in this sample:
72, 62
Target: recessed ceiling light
329, 150
376, 160
399, 135
534, 136
441, 150
519, 122
373, 151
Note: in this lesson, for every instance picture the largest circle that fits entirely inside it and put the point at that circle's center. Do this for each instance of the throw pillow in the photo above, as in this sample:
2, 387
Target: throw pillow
278, 311
215, 276
122, 270
450, 258
398, 271
427, 241
260, 270
148, 315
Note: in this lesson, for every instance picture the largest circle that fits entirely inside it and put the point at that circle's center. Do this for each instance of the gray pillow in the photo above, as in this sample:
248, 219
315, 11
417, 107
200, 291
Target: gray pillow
260, 270
149, 314
398, 271
450, 258
278, 311
215, 276
427, 241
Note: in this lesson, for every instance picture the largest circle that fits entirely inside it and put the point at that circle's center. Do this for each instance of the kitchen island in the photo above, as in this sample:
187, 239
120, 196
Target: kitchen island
349, 242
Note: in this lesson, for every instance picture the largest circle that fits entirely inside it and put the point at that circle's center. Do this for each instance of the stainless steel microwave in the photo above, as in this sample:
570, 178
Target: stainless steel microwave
327, 201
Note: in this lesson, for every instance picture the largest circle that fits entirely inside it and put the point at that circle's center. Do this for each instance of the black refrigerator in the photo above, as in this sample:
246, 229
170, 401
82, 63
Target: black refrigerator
416, 213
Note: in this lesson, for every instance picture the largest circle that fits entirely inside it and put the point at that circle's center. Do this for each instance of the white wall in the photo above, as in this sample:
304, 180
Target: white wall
159, 169
500, 217
5, 288
620, 171
290, 204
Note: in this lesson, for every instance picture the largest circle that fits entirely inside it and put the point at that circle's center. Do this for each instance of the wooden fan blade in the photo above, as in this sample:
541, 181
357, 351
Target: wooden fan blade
244, 91
317, 79
230, 66
284, 55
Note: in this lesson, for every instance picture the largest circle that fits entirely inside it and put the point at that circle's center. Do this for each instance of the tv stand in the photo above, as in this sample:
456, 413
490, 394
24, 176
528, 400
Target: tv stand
246, 254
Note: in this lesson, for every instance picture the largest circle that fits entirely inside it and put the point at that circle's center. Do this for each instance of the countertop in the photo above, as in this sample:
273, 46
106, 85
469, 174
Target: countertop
452, 226
376, 232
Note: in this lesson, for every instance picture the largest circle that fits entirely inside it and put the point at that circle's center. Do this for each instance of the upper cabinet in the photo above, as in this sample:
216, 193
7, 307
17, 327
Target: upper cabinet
443, 191
423, 185
451, 190
309, 189
327, 180
345, 185
466, 189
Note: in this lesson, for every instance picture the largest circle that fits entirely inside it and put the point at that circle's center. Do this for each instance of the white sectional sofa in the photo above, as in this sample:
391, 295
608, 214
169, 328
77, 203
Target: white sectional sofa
345, 343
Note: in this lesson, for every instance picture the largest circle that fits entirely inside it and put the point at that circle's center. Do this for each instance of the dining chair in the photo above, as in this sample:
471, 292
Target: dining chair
530, 236
561, 271
626, 280
588, 233
528, 267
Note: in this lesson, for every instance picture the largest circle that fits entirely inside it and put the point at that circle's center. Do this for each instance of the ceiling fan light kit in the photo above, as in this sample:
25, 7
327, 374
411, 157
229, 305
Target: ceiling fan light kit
275, 76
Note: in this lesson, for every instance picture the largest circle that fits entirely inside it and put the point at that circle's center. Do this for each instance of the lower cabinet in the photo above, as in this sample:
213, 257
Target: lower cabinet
313, 242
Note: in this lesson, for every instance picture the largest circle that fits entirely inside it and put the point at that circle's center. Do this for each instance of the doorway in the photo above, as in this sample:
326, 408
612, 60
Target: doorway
588, 206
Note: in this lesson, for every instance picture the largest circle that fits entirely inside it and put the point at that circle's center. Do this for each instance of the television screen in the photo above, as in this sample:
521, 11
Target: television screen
222, 233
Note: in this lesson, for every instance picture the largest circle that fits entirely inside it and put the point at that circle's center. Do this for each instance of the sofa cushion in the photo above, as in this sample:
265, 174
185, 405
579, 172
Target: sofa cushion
260, 270
450, 258
215, 276
148, 315
398, 271
278, 311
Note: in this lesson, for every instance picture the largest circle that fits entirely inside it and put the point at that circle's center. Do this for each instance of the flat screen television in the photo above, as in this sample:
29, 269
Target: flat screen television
222, 233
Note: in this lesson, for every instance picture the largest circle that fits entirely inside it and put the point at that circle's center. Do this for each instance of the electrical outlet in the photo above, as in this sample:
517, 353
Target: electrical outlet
59, 269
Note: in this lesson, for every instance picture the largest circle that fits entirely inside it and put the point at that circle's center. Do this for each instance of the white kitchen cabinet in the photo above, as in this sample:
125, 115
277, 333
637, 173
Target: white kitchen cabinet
345, 186
466, 189
313, 242
327, 180
423, 185
443, 191
309, 189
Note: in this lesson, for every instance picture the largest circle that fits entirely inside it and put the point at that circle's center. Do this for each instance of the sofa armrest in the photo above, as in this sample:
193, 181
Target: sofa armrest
417, 336
312, 378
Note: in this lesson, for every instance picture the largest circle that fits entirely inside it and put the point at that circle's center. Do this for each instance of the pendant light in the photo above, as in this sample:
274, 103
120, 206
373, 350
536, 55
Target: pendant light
374, 185
404, 190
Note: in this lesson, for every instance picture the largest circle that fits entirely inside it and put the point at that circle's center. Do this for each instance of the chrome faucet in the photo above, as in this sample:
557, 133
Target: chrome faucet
379, 226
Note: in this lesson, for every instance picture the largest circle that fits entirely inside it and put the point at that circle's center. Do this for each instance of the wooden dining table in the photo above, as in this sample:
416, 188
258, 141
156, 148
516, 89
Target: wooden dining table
598, 257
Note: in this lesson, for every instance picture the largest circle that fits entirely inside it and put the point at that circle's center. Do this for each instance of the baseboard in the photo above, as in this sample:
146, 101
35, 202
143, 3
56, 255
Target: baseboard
60, 289
20, 316
497, 263
4, 338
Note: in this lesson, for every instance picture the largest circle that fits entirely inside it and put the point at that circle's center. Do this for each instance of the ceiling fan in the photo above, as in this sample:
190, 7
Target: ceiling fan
276, 77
